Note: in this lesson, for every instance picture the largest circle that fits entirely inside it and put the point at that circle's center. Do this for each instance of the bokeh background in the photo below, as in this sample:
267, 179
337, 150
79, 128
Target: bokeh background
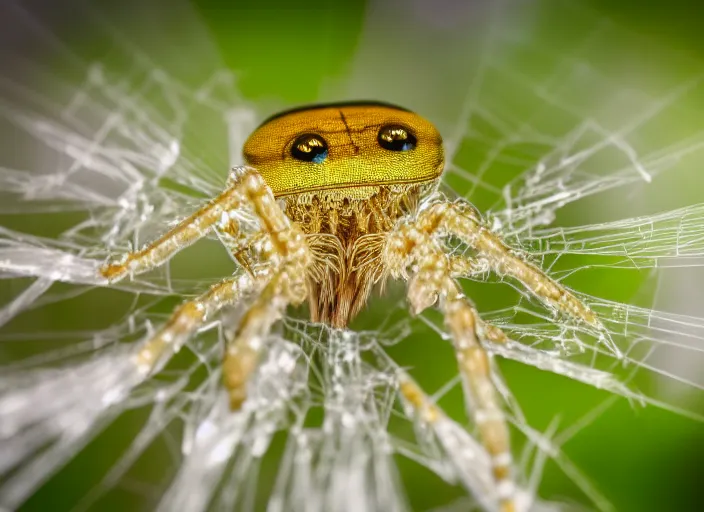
426, 56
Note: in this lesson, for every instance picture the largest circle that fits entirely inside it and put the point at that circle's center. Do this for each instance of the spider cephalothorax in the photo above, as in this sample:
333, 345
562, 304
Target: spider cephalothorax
345, 198
348, 171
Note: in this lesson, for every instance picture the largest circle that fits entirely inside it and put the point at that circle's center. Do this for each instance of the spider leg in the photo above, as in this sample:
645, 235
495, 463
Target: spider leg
242, 352
474, 363
471, 465
282, 263
245, 187
187, 318
289, 253
288, 285
431, 280
493, 254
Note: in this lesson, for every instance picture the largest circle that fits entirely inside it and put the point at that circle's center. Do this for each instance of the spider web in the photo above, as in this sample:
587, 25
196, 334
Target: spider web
578, 160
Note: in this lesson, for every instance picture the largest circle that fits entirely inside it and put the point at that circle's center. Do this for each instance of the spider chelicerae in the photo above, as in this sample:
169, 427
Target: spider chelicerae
346, 197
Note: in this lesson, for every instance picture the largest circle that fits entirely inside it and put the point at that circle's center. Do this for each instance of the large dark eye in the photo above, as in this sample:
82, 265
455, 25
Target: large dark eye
396, 138
310, 148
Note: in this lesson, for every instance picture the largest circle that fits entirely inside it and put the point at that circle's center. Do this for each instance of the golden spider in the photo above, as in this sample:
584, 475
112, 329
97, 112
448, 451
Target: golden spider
345, 196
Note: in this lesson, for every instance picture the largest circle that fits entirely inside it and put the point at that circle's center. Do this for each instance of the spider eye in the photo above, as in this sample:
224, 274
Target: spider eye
310, 148
396, 138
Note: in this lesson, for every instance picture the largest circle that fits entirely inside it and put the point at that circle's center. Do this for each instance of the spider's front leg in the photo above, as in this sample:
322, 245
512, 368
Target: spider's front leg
291, 260
245, 187
280, 277
431, 279
155, 351
281, 281
492, 253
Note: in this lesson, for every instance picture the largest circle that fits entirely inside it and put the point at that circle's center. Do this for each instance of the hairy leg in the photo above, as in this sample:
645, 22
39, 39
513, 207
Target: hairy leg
281, 280
470, 465
412, 251
245, 188
431, 280
189, 317
242, 352
287, 286
493, 254
283, 260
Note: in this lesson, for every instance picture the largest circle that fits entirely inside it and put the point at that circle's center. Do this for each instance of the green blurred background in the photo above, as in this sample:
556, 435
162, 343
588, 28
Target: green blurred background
289, 53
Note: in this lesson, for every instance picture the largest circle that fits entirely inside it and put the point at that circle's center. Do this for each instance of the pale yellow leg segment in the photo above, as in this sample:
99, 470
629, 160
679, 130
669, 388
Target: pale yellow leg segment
287, 286
414, 395
462, 321
242, 353
463, 222
290, 253
431, 413
186, 319
284, 258
245, 186
412, 247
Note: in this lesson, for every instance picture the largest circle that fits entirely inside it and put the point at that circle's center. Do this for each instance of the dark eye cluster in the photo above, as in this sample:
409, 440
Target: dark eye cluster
396, 138
311, 147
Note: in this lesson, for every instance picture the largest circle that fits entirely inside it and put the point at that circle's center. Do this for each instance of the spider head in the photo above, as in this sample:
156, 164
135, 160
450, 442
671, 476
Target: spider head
344, 150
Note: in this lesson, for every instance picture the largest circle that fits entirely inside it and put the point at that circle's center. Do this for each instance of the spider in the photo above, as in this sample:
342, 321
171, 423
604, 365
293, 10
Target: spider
346, 197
